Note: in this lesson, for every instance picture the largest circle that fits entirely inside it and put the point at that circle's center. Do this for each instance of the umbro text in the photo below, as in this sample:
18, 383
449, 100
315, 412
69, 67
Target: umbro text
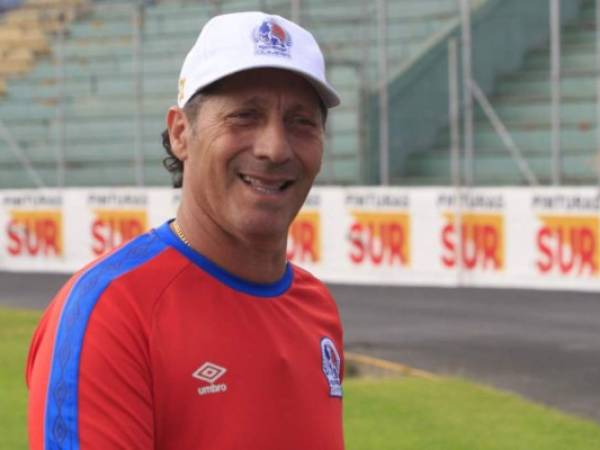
212, 389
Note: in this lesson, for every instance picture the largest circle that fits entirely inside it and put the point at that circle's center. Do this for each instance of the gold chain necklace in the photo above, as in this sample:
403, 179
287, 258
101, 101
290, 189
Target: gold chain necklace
179, 233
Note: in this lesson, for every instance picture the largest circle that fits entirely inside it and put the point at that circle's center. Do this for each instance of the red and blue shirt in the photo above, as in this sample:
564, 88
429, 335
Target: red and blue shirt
155, 347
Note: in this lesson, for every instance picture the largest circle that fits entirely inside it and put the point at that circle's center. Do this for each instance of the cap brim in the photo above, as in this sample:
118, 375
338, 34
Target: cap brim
328, 95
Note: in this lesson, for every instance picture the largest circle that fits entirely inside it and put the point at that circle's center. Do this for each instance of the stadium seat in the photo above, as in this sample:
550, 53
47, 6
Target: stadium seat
522, 100
16, 36
13, 68
99, 88
25, 31
100, 174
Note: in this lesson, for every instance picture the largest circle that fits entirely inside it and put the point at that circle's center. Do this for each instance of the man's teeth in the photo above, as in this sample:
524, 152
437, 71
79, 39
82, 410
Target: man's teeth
261, 186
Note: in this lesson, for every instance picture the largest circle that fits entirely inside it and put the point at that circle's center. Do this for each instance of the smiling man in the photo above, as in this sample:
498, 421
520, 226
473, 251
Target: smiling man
199, 334
251, 152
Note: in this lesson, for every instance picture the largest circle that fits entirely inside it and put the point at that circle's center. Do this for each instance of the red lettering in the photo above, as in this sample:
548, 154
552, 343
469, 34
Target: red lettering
448, 258
587, 245
396, 239
543, 236
111, 232
98, 240
376, 251
479, 246
566, 253
358, 254
570, 249
50, 236
302, 242
31, 235
130, 229
490, 246
14, 246
307, 241
378, 242
290, 248
470, 243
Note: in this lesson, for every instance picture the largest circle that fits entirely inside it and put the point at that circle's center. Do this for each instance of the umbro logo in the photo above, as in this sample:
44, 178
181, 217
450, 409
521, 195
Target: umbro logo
210, 372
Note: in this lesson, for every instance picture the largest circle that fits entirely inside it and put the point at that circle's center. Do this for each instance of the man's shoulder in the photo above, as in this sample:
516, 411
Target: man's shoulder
305, 279
316, 299
145, 263
304, 276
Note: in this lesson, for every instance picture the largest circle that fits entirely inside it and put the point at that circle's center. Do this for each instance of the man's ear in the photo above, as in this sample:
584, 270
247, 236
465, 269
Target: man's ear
179, 130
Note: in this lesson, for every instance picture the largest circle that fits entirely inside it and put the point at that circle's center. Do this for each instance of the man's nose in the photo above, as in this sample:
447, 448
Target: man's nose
272, 143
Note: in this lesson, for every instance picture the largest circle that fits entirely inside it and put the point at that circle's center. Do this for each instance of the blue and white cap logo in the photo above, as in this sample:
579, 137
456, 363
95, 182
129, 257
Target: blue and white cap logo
331, 366
272, 39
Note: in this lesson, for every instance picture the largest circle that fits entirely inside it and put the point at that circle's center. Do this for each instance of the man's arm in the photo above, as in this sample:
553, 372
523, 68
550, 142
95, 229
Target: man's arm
88, 375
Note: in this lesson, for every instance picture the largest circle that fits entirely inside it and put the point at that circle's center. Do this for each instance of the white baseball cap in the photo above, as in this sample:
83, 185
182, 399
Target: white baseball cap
232, 43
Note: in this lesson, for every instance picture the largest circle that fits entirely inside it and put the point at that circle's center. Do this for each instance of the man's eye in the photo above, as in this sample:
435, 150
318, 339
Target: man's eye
304, 121
244, 115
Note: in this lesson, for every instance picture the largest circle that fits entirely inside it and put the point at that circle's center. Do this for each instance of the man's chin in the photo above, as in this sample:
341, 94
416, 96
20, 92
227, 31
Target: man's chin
267, 226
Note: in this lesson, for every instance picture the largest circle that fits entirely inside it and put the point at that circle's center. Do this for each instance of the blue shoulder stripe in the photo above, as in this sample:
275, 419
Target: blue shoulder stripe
61, 424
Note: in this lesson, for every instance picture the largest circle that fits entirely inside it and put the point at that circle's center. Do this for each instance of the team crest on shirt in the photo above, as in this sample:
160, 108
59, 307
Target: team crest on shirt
331, 366
272, 39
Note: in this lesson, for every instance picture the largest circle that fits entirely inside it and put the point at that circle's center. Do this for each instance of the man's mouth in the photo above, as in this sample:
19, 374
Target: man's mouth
266, 185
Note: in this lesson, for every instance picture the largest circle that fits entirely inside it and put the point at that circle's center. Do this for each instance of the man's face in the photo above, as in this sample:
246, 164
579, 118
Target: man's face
253, 153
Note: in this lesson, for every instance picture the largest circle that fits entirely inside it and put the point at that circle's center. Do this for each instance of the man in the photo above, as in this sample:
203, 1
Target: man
199, 334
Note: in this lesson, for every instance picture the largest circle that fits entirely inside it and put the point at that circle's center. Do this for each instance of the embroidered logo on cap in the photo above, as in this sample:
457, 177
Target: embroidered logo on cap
331, 366
272, 39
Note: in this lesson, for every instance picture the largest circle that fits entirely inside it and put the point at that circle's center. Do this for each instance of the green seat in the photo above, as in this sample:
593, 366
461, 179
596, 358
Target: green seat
100, 104
498, 168
580, 113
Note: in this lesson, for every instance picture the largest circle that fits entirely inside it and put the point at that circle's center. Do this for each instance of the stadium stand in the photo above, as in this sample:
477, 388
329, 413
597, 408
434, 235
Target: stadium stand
522, 99
99, 107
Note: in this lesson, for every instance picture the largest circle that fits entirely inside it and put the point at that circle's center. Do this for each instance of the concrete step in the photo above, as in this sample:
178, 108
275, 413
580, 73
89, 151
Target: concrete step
539, 113
579, 34
535, 140
93, 86
542, 75
12, 175
496, 167
111, 65
90, 108
569, 86
78, 130
94, 150
579, 56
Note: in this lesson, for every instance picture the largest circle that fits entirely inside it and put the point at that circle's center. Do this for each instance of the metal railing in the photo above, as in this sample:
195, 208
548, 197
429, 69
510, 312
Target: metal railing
472, 92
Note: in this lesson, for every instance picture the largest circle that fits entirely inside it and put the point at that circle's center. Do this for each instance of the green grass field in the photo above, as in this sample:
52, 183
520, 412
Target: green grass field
394, 414
16, 327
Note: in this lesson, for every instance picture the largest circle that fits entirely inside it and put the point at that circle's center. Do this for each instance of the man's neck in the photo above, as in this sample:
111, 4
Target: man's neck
252, 259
